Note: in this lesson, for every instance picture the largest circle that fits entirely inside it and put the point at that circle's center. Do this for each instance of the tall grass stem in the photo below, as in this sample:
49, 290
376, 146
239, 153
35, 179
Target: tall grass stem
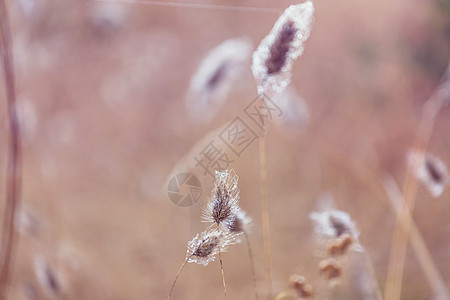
265, 215
13, 175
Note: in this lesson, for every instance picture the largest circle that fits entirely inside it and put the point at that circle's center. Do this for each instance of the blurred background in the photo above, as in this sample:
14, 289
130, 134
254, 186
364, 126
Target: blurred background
102, 90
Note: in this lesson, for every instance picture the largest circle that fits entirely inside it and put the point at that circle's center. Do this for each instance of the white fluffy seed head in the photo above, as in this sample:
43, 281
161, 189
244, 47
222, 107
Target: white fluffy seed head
203, 248
241, 223
223, 205
334, 223
272, 61
215, 76
431, 172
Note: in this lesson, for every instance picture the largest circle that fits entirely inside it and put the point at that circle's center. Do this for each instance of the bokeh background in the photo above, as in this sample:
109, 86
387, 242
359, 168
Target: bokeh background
101, 95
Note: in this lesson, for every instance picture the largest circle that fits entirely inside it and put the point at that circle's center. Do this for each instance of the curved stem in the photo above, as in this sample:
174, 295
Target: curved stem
404, 219
13, 177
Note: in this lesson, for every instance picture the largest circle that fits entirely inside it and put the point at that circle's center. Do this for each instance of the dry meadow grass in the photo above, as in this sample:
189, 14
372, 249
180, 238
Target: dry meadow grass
101, 89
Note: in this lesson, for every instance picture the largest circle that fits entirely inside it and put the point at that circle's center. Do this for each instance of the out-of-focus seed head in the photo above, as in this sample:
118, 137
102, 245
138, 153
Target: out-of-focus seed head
330, 269
240, 223
334, 223
28, 222
218, 72
50, 280
431, 172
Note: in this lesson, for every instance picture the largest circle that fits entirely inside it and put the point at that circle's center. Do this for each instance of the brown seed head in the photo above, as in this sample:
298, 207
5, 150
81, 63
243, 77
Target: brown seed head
340, 245
217, 76
334, 223
339, 226
433, 170
223, 207
204, 247
330, 268
299, 284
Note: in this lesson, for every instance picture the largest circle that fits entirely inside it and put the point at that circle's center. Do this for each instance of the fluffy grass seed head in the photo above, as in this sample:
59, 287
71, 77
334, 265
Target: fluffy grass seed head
432, 172
334, 223
272, 61
240, 223
50, 280
223, 206
215, 76
202, 249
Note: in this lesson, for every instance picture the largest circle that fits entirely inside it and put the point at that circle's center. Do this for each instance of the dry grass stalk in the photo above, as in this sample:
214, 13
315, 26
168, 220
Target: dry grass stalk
252, 264
361, 173
403, 222
223, 275
434, 278
204, 247
265, 215
13, 177
223, 206
271, 67
223, 210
